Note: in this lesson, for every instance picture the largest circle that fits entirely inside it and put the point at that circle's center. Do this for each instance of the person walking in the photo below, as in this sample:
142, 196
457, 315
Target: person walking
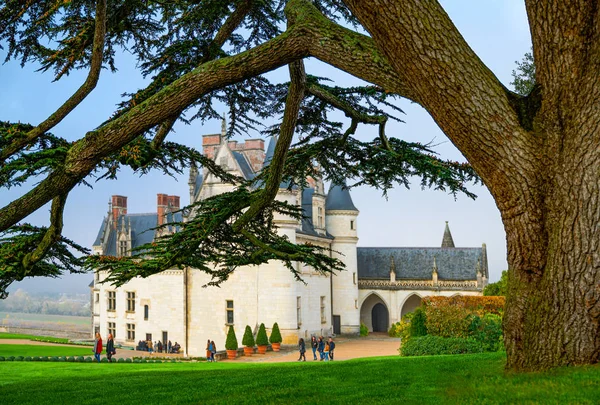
169, 346
321, 348
209, 350
314, 344
331, 348
213, 351
159, 347
302, 349
110, 347
97, 347
150, 350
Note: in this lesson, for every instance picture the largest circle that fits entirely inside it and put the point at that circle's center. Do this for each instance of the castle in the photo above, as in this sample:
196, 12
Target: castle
379, 285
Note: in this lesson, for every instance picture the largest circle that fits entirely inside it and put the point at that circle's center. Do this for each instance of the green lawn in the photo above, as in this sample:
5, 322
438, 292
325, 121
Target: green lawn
32, 337
476, 379
43, 350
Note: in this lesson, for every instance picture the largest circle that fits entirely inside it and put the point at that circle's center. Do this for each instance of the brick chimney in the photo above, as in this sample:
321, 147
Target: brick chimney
162, 202
210, 144
119, 207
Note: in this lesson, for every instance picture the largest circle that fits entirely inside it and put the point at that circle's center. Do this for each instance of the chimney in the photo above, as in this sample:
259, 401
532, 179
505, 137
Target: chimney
173, 202
162, 202
119, 207
210, 144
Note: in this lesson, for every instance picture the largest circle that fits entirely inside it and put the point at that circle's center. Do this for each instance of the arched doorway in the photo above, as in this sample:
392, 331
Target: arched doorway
413, 302
379, 317
374, 313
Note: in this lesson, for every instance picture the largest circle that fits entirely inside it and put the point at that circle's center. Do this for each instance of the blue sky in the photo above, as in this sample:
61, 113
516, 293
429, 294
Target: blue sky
496, 29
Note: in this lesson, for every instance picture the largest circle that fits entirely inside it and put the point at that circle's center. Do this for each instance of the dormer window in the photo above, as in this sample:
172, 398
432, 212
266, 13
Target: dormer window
320, 217
352, 225
122, 247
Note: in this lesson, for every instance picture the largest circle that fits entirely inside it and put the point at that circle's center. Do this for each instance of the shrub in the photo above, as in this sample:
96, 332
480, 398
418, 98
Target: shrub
121, 360
80, 359
434, 345
261, 336
231, 343
61, 359
19, 358
71, 359
1, 358
248, 339
364, 331
418, 323
488, 331
104, 360
28, 358
128, 360
10, 358
275, 334
35, 358
54, 358
473, 303
88, 360
402, 329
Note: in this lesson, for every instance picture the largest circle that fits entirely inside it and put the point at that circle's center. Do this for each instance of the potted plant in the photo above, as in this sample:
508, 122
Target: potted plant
275, 338
248, 342
261, 339
231, 344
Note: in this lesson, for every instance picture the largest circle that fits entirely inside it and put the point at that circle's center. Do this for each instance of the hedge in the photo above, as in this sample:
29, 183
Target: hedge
472, 303
436, 345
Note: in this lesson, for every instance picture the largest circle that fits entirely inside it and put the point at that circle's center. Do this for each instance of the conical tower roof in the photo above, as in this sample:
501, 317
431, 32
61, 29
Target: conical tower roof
447, 241
339, 199
269, 157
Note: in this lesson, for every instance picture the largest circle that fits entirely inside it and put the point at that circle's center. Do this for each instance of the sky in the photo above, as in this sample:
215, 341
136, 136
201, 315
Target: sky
498, 32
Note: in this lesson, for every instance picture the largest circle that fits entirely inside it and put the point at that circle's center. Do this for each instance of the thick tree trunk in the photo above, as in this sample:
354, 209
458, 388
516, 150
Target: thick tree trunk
539, 157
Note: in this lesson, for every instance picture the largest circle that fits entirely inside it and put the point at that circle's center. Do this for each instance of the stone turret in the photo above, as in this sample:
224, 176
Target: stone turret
341, 216
447, 241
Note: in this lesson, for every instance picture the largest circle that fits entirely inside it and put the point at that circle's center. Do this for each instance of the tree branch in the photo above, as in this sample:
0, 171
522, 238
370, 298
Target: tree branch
80, 94
52, 235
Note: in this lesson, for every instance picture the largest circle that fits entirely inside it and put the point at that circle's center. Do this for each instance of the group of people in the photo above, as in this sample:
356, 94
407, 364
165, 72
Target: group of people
211, 349
148, 346
325, 348
110, 347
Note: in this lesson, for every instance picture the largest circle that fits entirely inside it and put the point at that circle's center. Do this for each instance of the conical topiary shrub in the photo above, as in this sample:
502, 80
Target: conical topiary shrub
248, 341
261, 339
231, 344
275, 338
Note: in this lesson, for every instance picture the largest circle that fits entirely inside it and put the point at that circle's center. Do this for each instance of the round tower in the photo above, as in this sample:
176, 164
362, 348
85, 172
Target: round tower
341, 216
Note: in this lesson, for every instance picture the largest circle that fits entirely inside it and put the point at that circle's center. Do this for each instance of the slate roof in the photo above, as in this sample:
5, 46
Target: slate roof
244, 166
98, 240
269, 157
417, 263
339, 199
198, 184
307, 224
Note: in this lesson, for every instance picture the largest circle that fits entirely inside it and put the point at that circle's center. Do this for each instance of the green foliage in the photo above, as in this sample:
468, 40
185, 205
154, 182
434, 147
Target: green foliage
448, 321
499, 288
127, 360
261, 336
275, 334
248, 339
121, 360
231, 343
364, 331
488, 331
418, 323
433, 345
524, 75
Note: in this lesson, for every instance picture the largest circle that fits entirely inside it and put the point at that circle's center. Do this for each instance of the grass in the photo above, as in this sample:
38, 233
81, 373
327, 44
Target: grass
32, 337
59, 319
476, 379
43, 350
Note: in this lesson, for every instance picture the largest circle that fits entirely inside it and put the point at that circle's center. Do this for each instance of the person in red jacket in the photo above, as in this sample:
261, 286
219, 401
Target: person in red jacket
98, 347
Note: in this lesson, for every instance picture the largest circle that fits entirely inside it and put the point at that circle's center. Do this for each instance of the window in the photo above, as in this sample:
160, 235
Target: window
130, 301
352, 225
323, 318
122, 248
356, 304
112, 300
131, 331
112, 329
299, 311
354, 278
97, 277
97, 297
320, 217
145, 312
229, 312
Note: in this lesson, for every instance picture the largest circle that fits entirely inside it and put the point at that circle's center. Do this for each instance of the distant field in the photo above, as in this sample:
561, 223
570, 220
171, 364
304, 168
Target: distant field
40, 350
9, 317
32, 337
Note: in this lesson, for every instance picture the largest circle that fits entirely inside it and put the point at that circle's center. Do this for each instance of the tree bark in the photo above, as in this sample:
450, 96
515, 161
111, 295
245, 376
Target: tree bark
539, 157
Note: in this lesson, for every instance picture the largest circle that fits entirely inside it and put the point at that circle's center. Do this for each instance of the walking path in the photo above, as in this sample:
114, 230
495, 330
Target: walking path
346, 348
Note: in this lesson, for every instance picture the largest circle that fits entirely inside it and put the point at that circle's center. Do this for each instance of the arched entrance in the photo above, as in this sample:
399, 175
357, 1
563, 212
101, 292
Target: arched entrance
379, 316
374, 314
413, 302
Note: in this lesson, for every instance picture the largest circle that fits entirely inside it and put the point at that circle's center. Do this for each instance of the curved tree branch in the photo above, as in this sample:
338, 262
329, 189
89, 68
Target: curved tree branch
81, 93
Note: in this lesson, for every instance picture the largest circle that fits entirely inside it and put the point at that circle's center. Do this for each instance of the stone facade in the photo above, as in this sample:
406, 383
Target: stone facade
377, 288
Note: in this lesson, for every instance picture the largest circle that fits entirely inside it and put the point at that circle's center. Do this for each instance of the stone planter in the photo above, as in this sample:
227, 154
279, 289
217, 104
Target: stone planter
276, 346
262, 349
248, 351
231, 354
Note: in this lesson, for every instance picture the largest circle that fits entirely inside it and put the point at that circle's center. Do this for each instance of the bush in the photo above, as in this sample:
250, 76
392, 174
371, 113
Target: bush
88, 360
35, 358
10, 358
28, 358
488, 331
248, 339
71, 359
261, 336
19, 358
473, 303
128, 360
54, 358
418, 323
80, 359
104, 360
231, 343
1, 358
121, 360
402, 329
364, 331
275, 334
434, 345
